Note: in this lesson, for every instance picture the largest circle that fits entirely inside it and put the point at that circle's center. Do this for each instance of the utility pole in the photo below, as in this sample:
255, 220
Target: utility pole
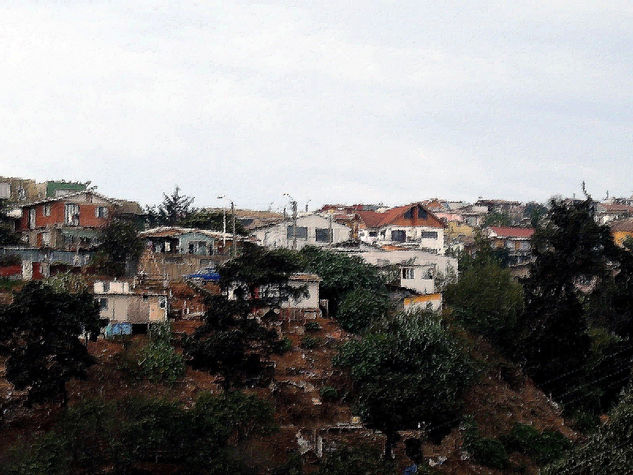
222, 197
233, 218
294, 225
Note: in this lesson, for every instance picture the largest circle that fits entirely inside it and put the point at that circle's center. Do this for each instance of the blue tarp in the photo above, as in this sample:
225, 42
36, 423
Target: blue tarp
205, 275
118, 329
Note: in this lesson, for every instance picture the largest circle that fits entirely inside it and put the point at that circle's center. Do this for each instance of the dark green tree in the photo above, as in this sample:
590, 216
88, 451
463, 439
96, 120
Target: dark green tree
97, 436
408, 371
231, 342
571, 258
608, 450
534, 212
7, 235
120, 245
360, 308
174, 208
486, 299
497, 219
39, 332
340, 274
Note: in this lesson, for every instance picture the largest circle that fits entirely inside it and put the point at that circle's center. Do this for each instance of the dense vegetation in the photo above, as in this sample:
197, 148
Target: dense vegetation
99, 436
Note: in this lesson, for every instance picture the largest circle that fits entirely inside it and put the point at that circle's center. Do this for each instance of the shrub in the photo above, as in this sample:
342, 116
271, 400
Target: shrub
312, 326
159, 362
309, 342
486, 451
360, 308
355, 460
282, 346
542, 447
328, 393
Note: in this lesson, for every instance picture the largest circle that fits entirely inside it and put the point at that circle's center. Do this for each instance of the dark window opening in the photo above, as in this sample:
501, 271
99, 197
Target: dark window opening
323, 234
302, 232
398, 235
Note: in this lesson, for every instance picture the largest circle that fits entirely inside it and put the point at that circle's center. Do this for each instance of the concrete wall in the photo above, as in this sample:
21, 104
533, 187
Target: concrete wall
277, 235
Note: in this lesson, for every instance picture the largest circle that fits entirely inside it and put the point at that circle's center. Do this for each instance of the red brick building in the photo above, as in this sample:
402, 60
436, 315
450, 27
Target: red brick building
67, 222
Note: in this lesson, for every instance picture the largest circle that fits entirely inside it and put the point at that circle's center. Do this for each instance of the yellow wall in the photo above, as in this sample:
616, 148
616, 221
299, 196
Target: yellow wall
620, 236
454, 229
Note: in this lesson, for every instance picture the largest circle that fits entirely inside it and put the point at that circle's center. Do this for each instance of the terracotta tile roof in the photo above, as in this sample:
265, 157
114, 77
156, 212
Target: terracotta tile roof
510, 232
623, 225
615, 208
373, 219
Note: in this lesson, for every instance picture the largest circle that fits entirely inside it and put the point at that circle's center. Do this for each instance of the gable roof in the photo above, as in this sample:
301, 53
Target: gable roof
512, 231
623, 225
374, 219
67, 196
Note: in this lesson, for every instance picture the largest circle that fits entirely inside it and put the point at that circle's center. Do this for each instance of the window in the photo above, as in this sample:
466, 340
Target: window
398, 235
428, 234
302, 232
103, 303
407, 273
101, 212
162, 302
323, 235
409, 214
422, 214
71, 214
46, 210
373, 233
106, 286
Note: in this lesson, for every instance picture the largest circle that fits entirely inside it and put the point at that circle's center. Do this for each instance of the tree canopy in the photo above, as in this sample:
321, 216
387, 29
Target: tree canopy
232, 343
407, 371
572, 257
39, 332
120, 244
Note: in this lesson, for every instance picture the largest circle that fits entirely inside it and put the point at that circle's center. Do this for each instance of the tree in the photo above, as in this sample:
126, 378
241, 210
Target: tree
7, 235
497, 219
486, 298
174, 208
571, 256
407, 371
360, 308
340, 274
609, 449
120, 245
39, 332
232, 343
116, 436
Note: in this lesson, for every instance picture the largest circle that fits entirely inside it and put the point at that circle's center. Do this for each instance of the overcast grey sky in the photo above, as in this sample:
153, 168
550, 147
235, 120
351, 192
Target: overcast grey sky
391, 101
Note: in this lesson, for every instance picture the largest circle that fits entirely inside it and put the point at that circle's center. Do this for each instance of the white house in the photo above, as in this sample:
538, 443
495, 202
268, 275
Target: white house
311, 229
407, 226
119, 304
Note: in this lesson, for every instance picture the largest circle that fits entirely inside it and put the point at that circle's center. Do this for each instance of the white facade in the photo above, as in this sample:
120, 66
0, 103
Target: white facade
117, 303
311, 230
418, 269
423, 237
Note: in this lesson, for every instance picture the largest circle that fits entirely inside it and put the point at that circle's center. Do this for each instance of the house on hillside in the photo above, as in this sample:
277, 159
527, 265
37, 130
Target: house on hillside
607, 212
126, 308
69, 222
310, 230
410, 225
174, 253
412, 274
516, 240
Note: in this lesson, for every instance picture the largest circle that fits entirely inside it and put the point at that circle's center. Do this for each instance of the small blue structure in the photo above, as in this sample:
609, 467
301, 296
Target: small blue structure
208, 275
118, 328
